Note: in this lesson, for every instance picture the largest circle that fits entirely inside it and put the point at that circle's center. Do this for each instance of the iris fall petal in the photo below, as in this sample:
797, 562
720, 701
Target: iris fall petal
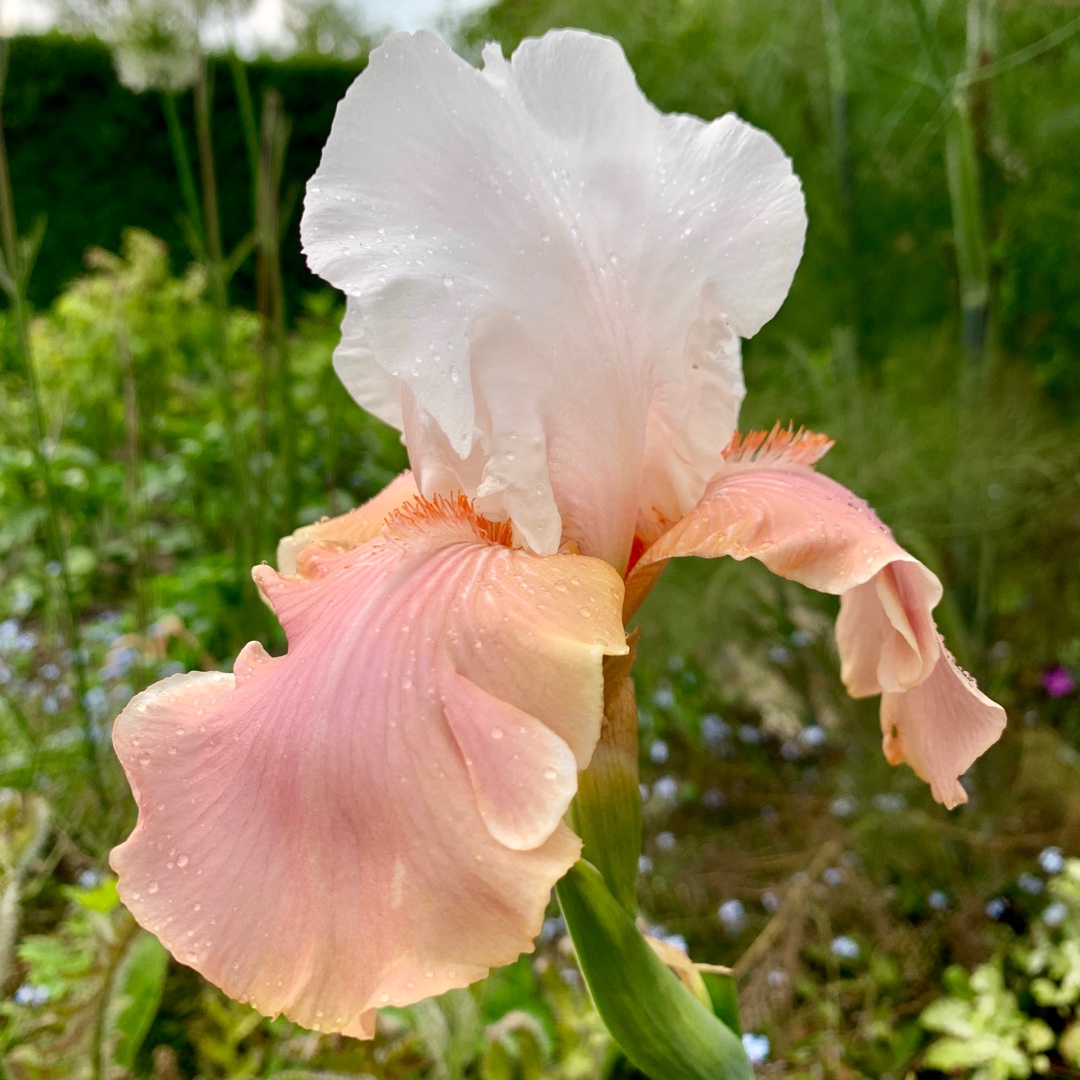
768, 503
376, 816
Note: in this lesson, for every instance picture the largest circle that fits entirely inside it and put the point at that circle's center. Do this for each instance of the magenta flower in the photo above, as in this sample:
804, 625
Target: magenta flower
1057, 682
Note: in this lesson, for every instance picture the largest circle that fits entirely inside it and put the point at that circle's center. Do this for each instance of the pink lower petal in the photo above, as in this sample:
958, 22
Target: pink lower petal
768, 503
355, 527
940, 727
374, 817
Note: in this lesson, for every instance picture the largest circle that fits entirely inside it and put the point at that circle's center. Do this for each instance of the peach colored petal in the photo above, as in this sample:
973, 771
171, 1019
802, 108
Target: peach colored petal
768, 503
376, 816
363, 523
940, 727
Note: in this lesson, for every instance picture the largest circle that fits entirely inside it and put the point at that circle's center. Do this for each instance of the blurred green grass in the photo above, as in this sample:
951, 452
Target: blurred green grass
764, 784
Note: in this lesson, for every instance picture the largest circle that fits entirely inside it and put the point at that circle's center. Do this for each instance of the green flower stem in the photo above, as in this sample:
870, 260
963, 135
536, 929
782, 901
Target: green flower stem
606, 813
16, 270
663, 1029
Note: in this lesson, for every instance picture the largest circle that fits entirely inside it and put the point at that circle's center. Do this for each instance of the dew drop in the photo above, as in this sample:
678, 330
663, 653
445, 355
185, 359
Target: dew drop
550, 774
144, 758
496, 732
181, 859
152, 888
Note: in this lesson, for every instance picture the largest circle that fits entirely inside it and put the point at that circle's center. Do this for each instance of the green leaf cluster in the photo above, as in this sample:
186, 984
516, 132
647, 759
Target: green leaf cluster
1018, 1014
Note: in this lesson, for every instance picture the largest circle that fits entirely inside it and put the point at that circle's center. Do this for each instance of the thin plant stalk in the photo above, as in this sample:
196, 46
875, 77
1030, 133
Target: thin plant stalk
247, 115
184, 174
15, 273
222, 367
976, 99
134, 440
845, 337
271, 293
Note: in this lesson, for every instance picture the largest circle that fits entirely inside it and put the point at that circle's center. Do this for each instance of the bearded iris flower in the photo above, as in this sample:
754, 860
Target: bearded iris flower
547, 281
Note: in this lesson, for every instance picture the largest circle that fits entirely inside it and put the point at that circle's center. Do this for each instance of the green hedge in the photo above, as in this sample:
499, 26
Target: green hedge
94, 158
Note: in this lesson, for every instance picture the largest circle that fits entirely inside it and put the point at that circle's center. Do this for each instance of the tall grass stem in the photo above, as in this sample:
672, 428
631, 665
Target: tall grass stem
15, 266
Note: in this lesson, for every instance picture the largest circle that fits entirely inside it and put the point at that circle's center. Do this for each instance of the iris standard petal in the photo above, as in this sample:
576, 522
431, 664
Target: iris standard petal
555, 274
768, 503
376, 816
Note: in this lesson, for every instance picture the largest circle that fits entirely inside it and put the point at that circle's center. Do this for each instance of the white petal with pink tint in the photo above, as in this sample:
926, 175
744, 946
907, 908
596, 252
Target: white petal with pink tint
767, 503
556, 274
374, 817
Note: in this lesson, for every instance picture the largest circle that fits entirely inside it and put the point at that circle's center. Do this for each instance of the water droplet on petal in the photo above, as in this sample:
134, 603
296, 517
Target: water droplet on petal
496, 732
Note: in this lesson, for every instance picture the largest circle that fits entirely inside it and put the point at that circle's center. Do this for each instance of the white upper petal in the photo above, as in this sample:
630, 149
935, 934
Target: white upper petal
548, 278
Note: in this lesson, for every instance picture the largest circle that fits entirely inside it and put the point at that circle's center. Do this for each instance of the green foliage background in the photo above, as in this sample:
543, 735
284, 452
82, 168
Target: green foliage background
867, 927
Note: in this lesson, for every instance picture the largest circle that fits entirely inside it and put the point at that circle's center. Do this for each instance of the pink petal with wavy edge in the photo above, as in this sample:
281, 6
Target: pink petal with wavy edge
374, 817
354, 527
964, 723
768, 503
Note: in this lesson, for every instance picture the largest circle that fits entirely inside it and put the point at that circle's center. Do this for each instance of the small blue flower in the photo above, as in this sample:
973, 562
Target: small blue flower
1051, 860
845, 948
750, 734
996, 907
890, 803
663, 696
756, 1047
658, 752
1055, 914
1030, 884
843, 807
665, 841
733, 915
96, 701
29, 994
666, 789
714, 730
833, 876
938, 900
